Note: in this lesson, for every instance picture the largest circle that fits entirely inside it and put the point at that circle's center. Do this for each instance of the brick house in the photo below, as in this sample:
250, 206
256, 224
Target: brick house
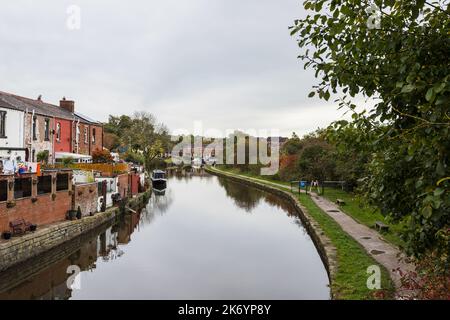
11, 131
91, 134
57, 129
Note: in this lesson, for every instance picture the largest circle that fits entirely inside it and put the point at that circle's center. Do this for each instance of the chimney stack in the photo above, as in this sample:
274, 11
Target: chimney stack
68, 105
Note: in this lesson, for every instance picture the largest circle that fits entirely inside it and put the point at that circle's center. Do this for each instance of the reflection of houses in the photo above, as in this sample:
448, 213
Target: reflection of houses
126, 228
45, 276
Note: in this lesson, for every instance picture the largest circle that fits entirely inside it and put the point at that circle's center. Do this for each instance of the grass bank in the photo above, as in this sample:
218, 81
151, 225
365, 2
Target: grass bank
352, 259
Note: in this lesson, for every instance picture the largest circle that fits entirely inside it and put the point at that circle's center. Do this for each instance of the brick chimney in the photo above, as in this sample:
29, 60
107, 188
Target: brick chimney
69, 105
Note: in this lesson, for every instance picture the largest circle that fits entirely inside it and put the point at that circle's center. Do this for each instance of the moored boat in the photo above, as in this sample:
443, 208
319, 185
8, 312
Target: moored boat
159, 180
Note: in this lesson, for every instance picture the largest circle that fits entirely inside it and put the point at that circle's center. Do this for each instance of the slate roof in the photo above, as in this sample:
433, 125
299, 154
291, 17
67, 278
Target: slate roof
88, 119
12, 101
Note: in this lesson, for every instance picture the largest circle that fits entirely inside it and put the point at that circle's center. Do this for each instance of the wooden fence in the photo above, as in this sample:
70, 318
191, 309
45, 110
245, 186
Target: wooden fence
105, 168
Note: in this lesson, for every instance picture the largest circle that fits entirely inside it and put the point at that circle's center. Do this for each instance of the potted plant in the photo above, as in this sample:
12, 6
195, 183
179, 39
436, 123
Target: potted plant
6, 235
72, 215
79, 213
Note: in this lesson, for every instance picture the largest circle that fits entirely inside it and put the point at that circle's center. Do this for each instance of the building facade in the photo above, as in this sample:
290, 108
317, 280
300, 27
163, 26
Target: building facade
34, 127
11, 132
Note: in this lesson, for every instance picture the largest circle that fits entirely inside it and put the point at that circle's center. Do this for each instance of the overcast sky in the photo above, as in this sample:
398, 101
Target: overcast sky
228, 63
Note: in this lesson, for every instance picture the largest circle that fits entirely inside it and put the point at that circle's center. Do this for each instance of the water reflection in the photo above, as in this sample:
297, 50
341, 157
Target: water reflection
190, 242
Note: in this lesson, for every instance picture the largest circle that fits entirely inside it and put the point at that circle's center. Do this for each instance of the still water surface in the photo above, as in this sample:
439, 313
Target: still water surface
205, 238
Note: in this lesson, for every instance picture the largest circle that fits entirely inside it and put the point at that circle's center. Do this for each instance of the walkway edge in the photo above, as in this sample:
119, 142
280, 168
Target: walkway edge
325, 247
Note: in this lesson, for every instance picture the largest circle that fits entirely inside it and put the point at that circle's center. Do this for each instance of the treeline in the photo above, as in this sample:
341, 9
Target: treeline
139, 138
315, 156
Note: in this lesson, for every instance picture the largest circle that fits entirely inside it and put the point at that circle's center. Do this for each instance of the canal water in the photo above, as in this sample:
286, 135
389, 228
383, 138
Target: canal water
203, 238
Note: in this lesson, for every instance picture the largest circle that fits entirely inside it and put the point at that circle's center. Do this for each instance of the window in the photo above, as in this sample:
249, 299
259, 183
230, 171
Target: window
93, 136
2, 124
34, 128
22, 188
44, 184
58, 132
86, 140
62, 181
47, 129
33, 155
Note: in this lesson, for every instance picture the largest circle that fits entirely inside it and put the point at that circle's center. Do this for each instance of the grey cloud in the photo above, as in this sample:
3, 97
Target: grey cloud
229, 63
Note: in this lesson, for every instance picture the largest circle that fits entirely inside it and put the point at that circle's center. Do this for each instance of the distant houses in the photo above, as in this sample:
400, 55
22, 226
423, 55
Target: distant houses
30, 126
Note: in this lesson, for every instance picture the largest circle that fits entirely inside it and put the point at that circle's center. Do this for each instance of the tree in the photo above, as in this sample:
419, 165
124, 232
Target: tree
292, 146
42, 156
141, 135
396, 53
111, 141
102, 156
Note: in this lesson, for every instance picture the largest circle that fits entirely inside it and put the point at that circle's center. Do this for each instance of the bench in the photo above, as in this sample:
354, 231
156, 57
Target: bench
340, 202
20, 226
381, 226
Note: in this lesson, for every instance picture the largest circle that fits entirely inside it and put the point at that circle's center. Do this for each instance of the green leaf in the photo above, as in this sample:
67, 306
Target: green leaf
311, 94
438, 192
427, 211
408, 88
440, 170
430, 95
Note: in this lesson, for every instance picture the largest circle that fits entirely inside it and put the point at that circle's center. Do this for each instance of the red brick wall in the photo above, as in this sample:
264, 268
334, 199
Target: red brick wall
134, 181
83, 147
123, 184
64, 144
43, 211
98, 144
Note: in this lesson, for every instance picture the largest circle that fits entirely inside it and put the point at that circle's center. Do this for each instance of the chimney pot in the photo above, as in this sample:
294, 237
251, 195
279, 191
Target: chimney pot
68, 105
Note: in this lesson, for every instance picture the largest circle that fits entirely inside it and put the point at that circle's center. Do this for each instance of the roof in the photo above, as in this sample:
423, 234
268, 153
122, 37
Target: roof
86, 118
12, 101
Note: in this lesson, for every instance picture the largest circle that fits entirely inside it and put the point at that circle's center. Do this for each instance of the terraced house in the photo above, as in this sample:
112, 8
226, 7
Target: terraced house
32, 126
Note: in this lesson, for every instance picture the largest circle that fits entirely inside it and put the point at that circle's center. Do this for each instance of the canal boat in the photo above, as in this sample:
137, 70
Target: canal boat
159, 180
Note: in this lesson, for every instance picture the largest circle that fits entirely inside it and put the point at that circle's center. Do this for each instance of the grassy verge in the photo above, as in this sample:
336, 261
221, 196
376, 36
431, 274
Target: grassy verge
353, 260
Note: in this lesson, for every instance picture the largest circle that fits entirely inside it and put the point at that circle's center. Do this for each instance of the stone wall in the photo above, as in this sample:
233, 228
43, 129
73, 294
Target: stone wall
86, 197
40, 144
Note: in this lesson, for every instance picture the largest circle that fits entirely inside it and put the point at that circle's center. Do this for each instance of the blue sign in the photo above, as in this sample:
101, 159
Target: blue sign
302, 184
